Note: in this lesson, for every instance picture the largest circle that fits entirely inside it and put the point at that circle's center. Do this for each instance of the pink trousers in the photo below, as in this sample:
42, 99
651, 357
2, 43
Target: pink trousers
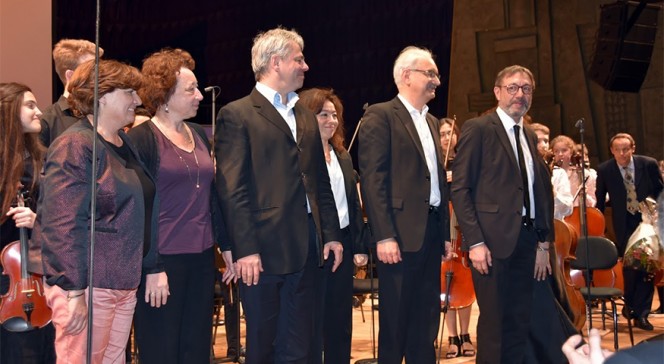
112, 314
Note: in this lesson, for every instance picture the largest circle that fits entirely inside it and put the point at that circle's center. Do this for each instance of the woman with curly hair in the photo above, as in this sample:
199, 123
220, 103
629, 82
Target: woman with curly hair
174, 315
124, 204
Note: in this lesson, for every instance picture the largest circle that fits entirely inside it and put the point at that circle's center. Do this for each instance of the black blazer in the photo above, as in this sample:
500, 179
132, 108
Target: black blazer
354, 209
264, 178
487, 188
647, 182
395, 177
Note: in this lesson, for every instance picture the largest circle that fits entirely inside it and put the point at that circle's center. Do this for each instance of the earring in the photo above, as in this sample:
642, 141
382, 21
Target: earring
166, 108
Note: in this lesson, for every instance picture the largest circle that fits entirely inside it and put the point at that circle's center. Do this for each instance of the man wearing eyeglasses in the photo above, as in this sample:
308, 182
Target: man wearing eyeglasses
406, 197
503, 199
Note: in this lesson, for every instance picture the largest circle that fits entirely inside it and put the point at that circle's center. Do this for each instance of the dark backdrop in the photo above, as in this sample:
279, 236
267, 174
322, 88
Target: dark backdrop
350, 45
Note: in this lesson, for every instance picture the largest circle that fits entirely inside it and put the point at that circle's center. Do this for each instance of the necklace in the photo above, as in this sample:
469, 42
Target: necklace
175, 149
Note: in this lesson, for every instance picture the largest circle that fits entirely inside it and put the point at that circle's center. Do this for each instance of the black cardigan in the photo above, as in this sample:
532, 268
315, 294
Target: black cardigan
143, 136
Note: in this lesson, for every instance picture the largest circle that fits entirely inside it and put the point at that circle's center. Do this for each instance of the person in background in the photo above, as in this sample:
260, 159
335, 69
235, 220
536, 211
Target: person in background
562, 195
21, 160
333, 323
405, 195
67, 55
277, 201
124, 217
647, 351
565, 156
629, 178
173, 322
459, 345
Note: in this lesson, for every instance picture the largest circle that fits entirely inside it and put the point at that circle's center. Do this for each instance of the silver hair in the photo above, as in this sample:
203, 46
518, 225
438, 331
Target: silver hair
277, 41
407, 59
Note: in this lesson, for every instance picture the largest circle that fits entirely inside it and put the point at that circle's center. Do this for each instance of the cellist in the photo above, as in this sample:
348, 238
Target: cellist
21, 159
459, 344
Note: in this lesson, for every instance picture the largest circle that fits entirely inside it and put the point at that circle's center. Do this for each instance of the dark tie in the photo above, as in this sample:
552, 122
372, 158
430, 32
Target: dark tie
524, 173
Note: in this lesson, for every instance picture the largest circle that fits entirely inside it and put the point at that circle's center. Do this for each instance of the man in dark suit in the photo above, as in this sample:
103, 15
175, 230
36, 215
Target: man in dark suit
617, 176
406, 199
68, 54
277, 201
503, 200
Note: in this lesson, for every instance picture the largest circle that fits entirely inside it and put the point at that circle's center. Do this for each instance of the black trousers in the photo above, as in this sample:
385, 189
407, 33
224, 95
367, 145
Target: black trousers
409, 301
181, 330
333, 318
504, 297
279, 312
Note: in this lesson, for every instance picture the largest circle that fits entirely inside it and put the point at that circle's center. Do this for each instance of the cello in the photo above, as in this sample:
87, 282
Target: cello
565, 246
23, 307
457, 269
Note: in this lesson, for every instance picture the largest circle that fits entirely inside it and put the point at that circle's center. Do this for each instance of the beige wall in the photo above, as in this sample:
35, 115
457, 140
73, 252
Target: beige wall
25, 45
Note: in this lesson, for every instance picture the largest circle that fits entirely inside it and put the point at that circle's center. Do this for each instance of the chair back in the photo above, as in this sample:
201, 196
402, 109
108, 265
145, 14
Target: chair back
603, 254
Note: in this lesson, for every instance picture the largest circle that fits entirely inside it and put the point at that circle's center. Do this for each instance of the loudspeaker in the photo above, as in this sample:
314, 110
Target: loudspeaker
624, 45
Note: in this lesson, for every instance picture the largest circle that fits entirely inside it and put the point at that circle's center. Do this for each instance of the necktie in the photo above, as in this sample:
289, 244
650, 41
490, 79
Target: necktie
524, 173
632, 202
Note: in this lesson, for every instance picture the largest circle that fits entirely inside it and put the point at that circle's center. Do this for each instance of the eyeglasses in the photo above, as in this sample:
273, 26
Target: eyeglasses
429, 73
513, 89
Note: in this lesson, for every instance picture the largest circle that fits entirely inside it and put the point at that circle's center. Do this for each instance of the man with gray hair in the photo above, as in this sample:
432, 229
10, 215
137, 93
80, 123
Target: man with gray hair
404, 188
503, 200
276, 200
67, 55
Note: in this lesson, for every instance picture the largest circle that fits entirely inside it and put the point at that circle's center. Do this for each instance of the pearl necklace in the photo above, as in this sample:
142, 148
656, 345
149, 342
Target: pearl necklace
191, 140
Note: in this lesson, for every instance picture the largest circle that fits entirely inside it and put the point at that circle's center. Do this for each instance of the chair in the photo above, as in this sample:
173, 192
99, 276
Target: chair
603, 255
363, 287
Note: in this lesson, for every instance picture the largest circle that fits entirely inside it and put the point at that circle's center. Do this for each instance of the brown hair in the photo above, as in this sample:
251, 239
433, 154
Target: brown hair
622, 135
511, 70
160, 70
314, 99
15, 144
540, 127
67, 55
112, 75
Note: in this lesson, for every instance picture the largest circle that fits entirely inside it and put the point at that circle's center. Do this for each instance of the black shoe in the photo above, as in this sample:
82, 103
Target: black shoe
643, 324
628, 314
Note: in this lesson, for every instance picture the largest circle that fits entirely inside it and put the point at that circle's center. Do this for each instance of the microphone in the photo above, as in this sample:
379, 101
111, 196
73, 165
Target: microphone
579, 123
357, 128
210, 88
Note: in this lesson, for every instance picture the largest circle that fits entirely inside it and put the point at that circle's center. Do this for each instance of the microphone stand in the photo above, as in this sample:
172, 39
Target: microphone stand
216, 90
357, 129
584, 224
93, 184
449, 275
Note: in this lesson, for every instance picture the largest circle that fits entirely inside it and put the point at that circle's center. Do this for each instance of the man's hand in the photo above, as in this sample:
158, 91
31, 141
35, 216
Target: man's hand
590, 353
481, 257
449, 252
338, 250
249, 268
542, 262
156, 289
388, 251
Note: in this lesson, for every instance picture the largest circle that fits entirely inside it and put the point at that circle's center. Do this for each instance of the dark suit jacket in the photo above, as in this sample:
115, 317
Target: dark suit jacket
647, 181
354, 209
264, 177
395, 177
487, 189
55, 120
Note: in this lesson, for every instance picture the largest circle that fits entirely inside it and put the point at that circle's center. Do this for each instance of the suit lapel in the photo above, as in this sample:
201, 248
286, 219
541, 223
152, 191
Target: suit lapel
265, 108
300, 123
402, 115
347, 170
